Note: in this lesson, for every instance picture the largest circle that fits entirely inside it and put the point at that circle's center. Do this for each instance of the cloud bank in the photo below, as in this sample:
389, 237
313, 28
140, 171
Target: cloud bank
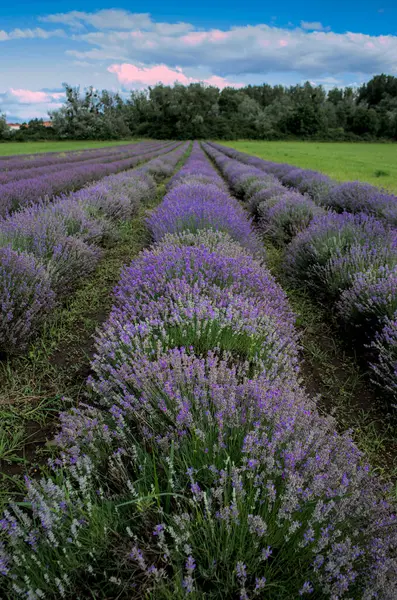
124, 50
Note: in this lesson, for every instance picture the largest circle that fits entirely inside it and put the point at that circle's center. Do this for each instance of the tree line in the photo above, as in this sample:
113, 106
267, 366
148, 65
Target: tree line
198, 111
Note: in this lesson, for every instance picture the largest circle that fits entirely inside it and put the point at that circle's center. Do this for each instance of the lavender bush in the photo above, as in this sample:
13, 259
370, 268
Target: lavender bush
219, 242
262, 196
118, 197
26, 298
371, 299
385, 369
306, 181
283, 217
194, 207
243, 484
192, 297
59, 236
329, 236
355, 196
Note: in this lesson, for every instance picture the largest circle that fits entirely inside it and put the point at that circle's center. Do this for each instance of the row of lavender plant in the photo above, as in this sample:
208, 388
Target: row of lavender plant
350, 196
20, 193
29, 161
201, 468
47, 248
348, 261
57, 166
40, 159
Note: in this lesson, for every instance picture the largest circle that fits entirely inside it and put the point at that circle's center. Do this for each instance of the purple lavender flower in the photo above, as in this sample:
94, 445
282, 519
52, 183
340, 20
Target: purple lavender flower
385, 368
355, 197
263, 195
307, 588
371, 298
26, 298
192, 207
284, 216
328, 236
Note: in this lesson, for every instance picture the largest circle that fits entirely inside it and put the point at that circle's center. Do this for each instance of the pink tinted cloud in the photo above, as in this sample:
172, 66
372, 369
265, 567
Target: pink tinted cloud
129, 74
384, 40
31, 97
221, 83
216, 35
195, 38
283, 43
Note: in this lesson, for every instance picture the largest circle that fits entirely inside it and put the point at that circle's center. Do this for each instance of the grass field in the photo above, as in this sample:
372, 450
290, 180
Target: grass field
10, 148
375, 163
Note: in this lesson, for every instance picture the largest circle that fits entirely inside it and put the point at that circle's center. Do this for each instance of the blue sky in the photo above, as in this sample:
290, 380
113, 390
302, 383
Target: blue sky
44, 44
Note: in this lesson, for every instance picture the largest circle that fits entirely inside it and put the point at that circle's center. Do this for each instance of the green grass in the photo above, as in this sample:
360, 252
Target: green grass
11, 148
371, 162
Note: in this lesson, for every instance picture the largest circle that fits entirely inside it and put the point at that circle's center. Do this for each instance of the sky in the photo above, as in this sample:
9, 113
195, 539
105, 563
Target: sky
126, 46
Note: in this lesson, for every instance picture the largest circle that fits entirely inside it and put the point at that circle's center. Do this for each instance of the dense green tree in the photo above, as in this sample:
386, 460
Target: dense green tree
202, 111
380, 87
4, 129
363, 121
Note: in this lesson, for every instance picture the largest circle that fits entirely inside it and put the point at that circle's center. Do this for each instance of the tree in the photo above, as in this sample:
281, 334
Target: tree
93, 115
379, 88
4, 129
364, 121
255, 111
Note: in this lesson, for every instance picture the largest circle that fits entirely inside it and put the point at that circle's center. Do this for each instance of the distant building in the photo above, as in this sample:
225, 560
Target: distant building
14, 126
47, 123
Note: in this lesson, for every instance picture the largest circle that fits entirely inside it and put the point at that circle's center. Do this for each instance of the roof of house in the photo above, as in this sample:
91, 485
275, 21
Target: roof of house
45, 124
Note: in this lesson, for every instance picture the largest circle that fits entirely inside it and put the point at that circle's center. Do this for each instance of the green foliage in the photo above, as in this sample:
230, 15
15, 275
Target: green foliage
95, 115
32, 131
199, 111
4, 130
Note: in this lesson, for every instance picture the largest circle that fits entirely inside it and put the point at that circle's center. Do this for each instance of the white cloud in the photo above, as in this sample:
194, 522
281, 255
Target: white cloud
103, 19
312, 25
259, 49
117, 36
19, 34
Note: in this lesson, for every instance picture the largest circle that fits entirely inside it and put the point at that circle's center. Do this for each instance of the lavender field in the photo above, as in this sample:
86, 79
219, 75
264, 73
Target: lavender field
163, 427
